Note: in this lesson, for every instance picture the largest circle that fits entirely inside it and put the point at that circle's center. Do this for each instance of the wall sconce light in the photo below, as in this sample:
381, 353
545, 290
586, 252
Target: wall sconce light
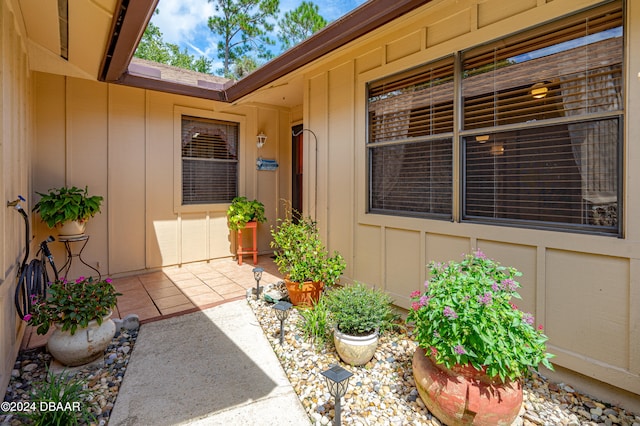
482, 138
257, 275
262, 139
337, 379
282, 312
539, 91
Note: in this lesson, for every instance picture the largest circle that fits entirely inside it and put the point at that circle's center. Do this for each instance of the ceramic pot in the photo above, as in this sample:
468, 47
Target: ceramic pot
72, 229
355, 350
464, 395
306, 294
85, 345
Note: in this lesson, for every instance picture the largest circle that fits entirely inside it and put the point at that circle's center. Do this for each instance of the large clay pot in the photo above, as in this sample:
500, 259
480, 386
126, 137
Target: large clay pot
85, 345
355, 350
464, 395
306, 294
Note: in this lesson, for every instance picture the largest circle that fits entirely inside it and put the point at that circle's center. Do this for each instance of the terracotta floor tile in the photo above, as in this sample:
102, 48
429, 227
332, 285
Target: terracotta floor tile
127, 284
179, 308
218, 281
159, 293
188, 283
195, 290
163, 283
145, 313
206, 299
152, 277
179, 275
226, 289
167, 302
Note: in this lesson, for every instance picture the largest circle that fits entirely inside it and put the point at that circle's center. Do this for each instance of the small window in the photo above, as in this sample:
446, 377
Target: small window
209, 161
411, 142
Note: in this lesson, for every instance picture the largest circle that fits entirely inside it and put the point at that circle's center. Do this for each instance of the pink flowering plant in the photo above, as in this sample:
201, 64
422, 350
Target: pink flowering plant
73, 304
465, 315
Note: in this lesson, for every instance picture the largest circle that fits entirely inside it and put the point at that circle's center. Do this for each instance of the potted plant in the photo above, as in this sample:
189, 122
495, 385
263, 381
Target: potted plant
474, 344
359, 314
303, 259
69, 208
242, 211
80, 312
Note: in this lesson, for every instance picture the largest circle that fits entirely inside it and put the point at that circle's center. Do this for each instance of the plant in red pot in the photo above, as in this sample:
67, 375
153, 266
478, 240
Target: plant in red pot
474, 345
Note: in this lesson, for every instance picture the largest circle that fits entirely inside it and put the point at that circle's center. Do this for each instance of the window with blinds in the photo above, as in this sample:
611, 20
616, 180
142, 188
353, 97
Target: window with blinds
410, 130
542, 115
209, 160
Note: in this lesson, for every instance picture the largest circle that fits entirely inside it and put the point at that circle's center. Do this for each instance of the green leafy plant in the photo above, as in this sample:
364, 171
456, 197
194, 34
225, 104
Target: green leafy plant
358, 310
60, 400
465, 315
73, 304
300, 253
315, 322
241, 211
64, 204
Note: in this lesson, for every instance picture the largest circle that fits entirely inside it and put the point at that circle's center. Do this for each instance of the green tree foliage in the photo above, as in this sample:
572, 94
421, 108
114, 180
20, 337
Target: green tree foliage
243, 66
299, 24
153, 48
244, 27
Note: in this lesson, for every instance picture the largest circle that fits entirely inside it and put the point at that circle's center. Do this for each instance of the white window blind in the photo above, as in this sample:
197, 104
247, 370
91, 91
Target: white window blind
209, 160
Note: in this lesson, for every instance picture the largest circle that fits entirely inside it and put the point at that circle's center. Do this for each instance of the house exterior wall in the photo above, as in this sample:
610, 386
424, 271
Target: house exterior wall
16, 132
124, 144
584, 289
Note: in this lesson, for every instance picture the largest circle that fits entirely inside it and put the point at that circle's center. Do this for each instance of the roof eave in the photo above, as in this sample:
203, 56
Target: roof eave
127, 32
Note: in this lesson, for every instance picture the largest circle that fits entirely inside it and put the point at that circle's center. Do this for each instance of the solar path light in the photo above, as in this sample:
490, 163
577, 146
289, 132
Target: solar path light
337, 379
282, 312
257, 275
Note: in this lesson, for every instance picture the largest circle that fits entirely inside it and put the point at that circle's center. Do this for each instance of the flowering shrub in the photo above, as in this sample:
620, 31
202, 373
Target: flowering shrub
73, 304
465, 315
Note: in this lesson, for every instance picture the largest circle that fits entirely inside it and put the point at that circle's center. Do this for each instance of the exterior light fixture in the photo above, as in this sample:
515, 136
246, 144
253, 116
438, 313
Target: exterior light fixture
257, 275
262, 139
482, 138
282, 312
539, 91
337, 379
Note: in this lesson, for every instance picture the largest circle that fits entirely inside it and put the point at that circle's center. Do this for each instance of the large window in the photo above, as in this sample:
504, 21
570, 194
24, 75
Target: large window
540, 131
209, 160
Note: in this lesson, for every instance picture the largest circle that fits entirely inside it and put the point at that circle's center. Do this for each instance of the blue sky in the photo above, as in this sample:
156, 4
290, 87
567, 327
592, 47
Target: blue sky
184, 22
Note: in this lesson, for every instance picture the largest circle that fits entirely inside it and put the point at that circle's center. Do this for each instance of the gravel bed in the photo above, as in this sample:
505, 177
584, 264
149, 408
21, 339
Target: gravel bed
383, 391
103, 380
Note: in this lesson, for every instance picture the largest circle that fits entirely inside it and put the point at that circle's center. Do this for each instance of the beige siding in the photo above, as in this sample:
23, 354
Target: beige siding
16, 133
584, 289
87, 128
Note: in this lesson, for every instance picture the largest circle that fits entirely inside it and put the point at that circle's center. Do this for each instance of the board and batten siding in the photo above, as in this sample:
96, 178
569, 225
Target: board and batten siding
584, 289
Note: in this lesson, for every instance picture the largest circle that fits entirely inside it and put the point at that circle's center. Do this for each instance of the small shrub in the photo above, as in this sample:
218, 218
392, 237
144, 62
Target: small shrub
69, 397
359, 310
315, 324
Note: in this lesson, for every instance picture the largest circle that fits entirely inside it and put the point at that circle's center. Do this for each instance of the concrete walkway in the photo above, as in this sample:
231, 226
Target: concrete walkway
213, 367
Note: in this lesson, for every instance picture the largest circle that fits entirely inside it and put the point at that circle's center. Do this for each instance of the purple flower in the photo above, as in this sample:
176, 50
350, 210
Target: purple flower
509, 284
449, 313
528, 318
486, 299
479, 254
426, 284
79, 280
495, 286
27, 317
108, 280
424, 300
460, 349
33, 298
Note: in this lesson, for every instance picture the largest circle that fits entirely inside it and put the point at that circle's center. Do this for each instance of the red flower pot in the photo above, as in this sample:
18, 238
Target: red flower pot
464, 395
306, 293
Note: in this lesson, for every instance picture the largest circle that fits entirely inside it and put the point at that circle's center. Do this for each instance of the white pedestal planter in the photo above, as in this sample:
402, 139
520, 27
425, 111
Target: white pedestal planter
85, 345
355, 350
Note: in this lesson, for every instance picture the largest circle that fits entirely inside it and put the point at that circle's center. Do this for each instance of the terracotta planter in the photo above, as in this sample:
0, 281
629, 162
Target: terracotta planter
464, 395
306, 294
355, 350
72, 229
85, 345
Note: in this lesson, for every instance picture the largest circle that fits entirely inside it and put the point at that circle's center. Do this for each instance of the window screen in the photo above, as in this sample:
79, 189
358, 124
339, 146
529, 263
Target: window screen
209, 161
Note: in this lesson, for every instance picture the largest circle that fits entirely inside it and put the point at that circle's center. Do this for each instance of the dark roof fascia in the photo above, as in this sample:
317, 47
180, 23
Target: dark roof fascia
130, 19
368, 17
127, 31
171, 87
